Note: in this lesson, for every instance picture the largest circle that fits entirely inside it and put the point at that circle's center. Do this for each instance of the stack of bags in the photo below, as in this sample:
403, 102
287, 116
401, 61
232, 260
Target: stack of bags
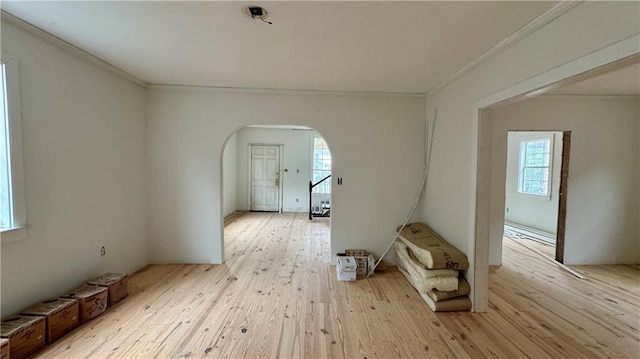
433, 267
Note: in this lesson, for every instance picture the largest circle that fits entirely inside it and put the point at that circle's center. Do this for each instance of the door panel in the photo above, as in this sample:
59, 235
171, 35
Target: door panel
265, 178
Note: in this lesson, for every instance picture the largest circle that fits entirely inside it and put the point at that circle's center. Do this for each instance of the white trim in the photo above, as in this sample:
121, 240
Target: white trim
281, 180
561, 75
280, 127
536, 137
280, 169
44, 35
249, 179
534, 233
613, 55
14, 114
273, 91
13, 234
520, 34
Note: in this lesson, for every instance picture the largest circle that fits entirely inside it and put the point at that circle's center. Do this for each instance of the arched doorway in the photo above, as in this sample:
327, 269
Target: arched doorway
271, 169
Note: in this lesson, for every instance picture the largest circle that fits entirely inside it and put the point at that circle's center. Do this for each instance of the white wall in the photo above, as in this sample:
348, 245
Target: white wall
450, 198
296, 164
230, 173
532, 211
603, 183
84, 152
376, 143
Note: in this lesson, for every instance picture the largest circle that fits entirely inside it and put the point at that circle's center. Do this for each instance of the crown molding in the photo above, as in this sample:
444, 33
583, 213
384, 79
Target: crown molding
274, 91
42, 34
520, 34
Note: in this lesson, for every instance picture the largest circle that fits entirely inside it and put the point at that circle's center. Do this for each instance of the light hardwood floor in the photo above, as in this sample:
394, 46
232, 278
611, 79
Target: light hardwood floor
547, 249
276, 296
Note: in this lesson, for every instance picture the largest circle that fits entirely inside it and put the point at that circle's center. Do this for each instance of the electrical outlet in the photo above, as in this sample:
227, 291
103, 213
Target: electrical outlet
297, 200
103, 251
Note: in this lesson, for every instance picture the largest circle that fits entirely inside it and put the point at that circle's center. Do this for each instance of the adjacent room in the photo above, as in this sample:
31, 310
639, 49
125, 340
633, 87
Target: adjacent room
209, 171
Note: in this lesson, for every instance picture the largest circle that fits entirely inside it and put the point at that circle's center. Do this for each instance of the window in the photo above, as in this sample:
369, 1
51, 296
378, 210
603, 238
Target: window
535, 166
6, 207
321, 165
321, 168
12, 200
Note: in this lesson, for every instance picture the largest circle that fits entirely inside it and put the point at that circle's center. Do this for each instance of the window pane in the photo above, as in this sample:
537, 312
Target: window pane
527, 174
530, 146
538, 160
6, 215
534, 177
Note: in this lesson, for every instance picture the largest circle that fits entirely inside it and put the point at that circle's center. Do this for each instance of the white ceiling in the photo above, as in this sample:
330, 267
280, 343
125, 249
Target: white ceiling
625, 81
343, 46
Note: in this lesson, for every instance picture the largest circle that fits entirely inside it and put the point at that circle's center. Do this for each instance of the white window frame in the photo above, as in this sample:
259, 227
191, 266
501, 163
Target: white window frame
521, 166
14, 115
312, 167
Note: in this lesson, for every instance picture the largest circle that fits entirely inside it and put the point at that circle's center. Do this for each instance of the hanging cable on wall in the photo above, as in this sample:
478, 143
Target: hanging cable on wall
429, 133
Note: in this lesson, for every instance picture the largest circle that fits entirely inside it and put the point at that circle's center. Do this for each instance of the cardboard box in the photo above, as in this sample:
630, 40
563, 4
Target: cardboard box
61, 316
92, 300
4, 348
346, 268
25, 334
362, 260
116, 283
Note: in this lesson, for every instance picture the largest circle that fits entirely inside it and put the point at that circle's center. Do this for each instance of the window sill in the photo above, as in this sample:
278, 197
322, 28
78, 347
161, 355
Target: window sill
13, 234
539, 197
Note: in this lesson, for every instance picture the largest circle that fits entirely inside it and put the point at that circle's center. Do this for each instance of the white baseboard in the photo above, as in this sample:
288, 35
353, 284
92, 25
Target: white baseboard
545, 237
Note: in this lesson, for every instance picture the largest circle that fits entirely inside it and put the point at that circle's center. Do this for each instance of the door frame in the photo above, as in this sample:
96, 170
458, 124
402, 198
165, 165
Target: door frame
562, 195
562, 177
609, 58
250, 174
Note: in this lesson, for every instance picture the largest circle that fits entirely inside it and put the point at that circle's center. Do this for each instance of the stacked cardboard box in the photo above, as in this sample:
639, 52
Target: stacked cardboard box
26, 335
434, 268
23, 335
346, 268
116, 285
364, 260
92, 300
4, 348
61, 316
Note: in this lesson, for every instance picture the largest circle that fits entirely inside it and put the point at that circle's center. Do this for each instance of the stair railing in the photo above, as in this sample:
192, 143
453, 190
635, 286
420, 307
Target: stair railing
311, 187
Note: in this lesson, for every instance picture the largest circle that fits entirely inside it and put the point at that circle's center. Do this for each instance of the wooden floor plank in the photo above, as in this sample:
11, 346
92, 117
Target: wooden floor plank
276, 296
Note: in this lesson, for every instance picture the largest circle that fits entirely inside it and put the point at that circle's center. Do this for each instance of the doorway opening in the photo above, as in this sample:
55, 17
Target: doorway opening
489, 209
534, 172
320, 183
264, 183
267, 168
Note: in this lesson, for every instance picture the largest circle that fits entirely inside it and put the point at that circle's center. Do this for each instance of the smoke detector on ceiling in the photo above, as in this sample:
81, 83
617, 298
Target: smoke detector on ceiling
258, 12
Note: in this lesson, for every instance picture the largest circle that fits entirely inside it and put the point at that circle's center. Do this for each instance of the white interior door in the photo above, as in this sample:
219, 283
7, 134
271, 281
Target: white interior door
265, 178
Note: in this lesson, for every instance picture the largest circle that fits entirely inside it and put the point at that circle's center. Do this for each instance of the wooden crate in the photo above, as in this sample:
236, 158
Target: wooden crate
116, 283
61, 316
92, 300
25, 333
4, 348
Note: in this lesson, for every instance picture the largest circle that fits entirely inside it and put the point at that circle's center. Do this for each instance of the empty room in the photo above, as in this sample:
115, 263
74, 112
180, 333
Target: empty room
320, 179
